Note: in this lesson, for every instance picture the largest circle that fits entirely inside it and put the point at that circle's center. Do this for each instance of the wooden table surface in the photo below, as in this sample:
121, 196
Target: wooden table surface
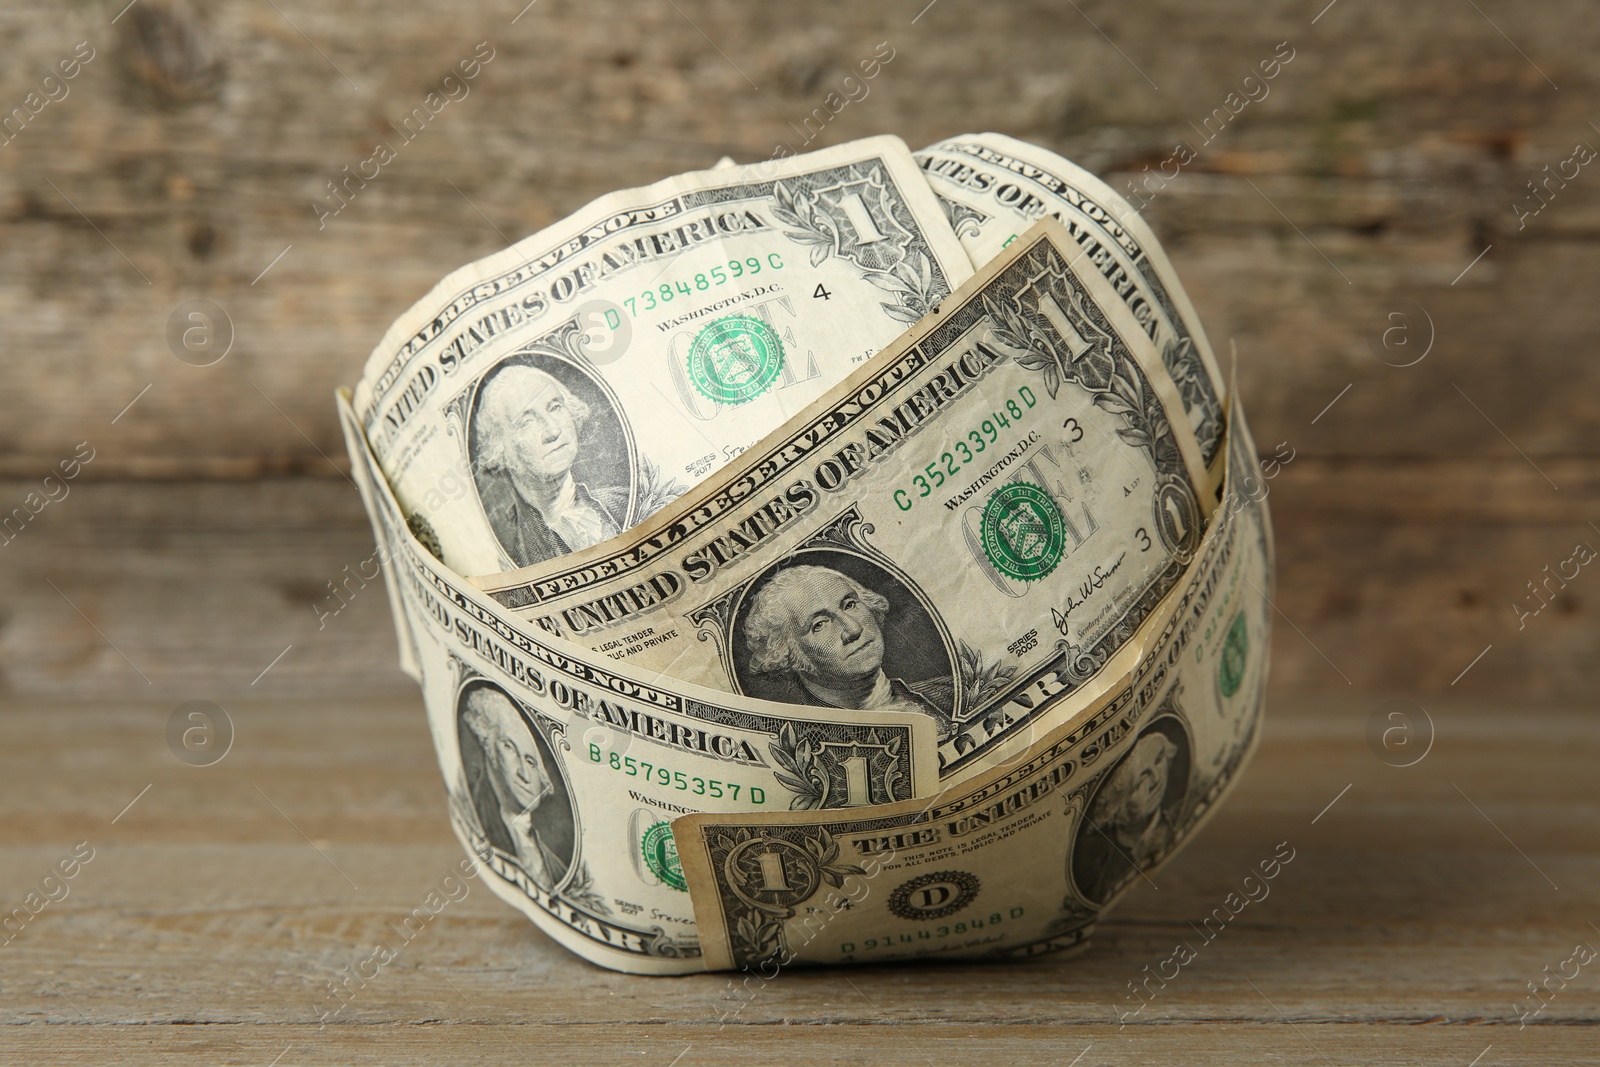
221, 901
1387, 174
1378, 198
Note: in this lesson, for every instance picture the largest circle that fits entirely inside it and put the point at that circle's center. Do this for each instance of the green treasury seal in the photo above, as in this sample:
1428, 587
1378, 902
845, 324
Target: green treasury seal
1235, 651
1023, 533
661, 856
735, 359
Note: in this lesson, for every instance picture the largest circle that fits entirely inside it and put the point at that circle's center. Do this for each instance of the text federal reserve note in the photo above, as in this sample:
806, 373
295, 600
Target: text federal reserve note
969, 528
1026, 858
563, 768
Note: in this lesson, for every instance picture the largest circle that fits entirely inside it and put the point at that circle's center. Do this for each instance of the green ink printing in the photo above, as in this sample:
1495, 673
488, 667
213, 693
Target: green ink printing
1235, 652
1024, 535
661, 856
735, 359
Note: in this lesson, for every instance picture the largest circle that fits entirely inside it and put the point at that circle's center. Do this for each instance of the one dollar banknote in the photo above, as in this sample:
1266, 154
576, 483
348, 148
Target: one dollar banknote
554, 395
1024, 859
971, 528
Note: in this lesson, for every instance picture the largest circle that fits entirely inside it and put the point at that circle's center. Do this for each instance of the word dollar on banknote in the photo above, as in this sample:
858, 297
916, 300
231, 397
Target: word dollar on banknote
1026, 858
970, 527
563, 768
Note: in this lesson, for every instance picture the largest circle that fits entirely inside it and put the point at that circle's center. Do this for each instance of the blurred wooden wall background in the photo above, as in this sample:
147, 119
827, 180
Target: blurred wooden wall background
183, 159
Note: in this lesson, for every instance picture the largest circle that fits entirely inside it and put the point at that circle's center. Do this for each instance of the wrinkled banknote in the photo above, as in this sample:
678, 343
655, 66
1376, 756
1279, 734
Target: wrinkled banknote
553, 395
1024, 859
564, 768
375, 492
915, 642
994, 187
970, 527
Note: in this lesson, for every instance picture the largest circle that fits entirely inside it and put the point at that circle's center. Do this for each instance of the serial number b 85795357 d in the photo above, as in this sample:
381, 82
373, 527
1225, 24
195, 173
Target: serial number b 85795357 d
700, 787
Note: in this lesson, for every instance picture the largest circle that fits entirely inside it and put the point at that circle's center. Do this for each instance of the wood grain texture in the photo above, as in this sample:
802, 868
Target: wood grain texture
193, 556
186, 157
1386, 157
218, 907
1391, 578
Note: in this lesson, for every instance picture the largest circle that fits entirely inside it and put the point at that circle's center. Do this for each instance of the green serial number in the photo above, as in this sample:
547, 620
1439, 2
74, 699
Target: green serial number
949, 464
700, 787
705, 280
977, 922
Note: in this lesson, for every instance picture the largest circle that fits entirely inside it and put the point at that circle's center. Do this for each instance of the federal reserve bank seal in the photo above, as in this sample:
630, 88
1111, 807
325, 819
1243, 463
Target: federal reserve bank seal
735, 359
661, 856
933, 896
1235, 653
1023, 533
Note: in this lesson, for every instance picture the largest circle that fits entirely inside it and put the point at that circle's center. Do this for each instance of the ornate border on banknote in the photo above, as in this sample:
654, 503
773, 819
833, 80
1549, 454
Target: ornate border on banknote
821, 762
1181, 354
899, 262
760, 894
1051, 321
772, 891
1029, 310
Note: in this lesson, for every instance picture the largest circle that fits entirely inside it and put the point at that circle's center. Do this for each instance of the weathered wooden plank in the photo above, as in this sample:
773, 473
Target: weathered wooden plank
191, 590
207, 924
196, 139
1398, 572
1393, 577
517, 1043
